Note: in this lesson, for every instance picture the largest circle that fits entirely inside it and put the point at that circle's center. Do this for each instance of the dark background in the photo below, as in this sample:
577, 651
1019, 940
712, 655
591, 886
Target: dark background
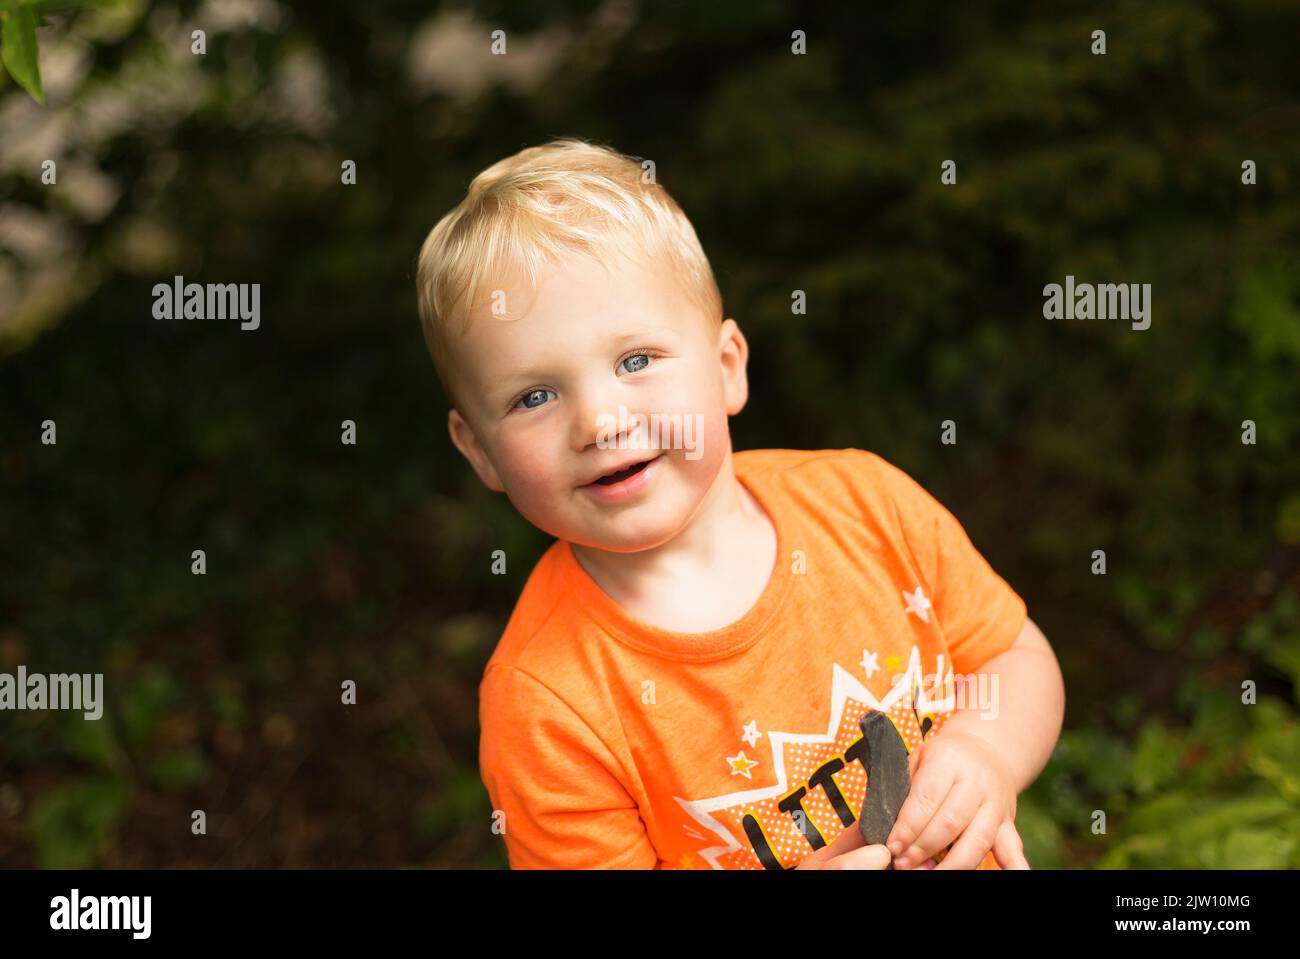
817, 172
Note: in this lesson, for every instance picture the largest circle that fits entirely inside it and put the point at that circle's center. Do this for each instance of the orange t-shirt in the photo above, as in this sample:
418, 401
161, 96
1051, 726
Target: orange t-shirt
610, 743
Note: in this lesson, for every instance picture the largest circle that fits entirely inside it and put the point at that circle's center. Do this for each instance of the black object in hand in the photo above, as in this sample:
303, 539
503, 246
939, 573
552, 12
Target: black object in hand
888, 778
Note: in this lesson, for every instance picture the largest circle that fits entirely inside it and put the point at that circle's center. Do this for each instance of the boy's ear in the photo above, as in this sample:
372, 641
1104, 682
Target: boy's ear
734, 354
463, 436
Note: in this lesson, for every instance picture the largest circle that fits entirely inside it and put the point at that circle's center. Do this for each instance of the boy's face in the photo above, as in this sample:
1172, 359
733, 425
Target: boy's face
551, 393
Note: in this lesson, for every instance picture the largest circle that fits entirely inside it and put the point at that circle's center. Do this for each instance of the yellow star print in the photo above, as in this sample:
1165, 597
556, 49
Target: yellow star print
741, 764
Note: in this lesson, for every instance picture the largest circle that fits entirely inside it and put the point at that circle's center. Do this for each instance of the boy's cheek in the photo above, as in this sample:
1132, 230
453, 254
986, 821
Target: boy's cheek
694, 424
539, 502
527, 472
711, 437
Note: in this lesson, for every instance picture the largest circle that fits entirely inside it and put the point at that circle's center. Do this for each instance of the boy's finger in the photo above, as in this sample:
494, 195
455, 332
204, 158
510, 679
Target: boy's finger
849, 839
974, 844
866, 857
927, 795
949, 821
1008, 849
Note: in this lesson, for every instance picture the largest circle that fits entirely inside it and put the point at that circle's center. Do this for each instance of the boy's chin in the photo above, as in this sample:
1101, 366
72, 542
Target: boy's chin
625, 537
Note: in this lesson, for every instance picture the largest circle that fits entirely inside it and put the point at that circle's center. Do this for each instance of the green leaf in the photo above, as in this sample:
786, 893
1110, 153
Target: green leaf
42, 7
1273, 747
19, 51
1156, 758
1155, 816
146, 702
1136, 850
1288, 520
57, 6
180, 769
1219, 816
71, 824
1042, 835
1265, 309
1255, 849
95, 742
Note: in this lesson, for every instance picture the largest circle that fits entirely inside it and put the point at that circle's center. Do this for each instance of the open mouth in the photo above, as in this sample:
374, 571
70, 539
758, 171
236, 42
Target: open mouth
612, 478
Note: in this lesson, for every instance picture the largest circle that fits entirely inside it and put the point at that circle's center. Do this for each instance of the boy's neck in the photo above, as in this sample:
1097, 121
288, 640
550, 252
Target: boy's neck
707, 576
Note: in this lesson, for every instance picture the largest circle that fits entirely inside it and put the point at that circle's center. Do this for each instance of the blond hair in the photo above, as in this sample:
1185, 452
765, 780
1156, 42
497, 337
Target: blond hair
533, 208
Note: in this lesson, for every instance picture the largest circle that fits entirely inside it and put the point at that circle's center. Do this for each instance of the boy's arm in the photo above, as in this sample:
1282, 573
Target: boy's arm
966, 779
558, 800
1022, 709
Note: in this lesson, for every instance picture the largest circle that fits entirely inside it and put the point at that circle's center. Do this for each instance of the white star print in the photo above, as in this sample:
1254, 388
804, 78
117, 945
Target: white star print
917, 603
869, 662
751, 734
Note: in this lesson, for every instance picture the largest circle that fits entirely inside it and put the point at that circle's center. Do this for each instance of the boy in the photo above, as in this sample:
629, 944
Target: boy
681, 682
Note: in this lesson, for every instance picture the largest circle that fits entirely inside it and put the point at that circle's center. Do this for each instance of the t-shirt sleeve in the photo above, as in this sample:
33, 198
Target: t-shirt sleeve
556, 782
980, 614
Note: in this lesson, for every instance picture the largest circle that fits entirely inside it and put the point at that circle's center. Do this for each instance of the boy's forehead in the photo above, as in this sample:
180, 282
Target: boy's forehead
575, 282
577, 302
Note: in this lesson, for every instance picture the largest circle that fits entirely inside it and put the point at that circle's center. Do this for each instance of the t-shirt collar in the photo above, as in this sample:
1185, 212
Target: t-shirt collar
713, 644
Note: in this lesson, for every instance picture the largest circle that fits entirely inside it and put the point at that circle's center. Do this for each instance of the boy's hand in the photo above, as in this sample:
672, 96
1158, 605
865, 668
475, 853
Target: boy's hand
961, 790
850, 851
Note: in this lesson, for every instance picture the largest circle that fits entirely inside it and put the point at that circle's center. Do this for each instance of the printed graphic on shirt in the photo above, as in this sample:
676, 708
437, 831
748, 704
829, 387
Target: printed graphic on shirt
820, 778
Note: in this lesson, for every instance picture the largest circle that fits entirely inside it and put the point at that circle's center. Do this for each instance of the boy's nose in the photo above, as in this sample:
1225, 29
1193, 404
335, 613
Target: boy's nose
595, 418
586, 425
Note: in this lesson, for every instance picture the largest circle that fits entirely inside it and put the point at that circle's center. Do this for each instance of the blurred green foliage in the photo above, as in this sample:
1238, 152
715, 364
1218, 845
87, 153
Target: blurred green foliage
1217, 787
816, 172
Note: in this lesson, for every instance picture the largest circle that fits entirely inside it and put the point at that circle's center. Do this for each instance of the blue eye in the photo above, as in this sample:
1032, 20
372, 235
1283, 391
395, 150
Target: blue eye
634, 358
531, 395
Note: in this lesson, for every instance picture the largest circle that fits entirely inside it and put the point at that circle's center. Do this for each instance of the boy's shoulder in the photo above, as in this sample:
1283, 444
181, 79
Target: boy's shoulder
851, 488
851, 480
855, 464
540, 617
